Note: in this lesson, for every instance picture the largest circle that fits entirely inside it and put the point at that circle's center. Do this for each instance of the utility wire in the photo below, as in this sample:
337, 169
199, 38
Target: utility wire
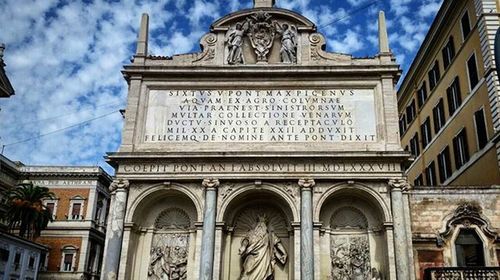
68, 114
351, 13
59, 130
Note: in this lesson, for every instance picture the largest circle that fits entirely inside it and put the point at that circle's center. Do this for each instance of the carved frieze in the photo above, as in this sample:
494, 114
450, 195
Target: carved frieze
169, 256
350, 257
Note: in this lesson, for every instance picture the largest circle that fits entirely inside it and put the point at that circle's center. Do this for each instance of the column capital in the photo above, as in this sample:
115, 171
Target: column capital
210, 183
306, 183
119, 185
399, 184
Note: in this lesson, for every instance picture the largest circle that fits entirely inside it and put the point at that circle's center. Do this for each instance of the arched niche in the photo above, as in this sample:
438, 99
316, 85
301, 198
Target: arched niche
163, 236
353, 239
241, 216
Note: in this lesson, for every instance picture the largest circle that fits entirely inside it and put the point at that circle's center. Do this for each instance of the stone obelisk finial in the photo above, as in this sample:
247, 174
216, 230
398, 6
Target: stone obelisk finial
383, 39
263, 3
2, 48
142, 40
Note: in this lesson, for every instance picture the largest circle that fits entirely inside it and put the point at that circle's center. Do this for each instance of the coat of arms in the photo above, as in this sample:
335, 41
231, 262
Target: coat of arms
261, 34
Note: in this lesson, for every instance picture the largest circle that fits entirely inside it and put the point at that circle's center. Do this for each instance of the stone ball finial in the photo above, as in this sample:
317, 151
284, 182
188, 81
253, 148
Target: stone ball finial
263, 3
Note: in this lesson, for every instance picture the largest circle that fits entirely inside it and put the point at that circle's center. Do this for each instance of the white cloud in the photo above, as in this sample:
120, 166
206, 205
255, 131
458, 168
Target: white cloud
349, 43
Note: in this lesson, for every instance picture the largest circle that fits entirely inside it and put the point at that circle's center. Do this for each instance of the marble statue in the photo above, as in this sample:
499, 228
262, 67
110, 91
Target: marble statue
260, 250
234, 40
288, 51
350, 258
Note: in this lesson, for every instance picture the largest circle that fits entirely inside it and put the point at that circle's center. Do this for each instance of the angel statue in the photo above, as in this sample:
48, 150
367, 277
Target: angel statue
288, 49
234, 40
260, 250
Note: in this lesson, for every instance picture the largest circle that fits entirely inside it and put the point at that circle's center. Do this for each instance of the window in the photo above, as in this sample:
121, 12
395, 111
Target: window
76, 208
414, 146
454, 97
68, 262
448, 52
419, 181
472, 72
422, 95
4, 255
434, 76
430, 174
444, 165
481, 131
17, 261
68, 258
31, 263
460, 149
52, 206
402, 124
469, 249
425, 130
75, 212
438, 114
410, 112
465, 23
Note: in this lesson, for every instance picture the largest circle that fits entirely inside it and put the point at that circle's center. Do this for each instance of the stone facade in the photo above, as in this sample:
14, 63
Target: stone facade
260, 140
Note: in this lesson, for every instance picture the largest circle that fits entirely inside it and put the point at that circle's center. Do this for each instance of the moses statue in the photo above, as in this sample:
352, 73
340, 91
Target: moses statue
260, 250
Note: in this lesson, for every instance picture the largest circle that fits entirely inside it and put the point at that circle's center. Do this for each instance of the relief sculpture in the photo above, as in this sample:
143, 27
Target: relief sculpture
288, 51
234, 41
169, 257
350, 258
260, 250
261, 34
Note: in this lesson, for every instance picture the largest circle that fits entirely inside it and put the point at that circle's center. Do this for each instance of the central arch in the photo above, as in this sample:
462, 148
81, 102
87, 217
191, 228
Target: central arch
241, 212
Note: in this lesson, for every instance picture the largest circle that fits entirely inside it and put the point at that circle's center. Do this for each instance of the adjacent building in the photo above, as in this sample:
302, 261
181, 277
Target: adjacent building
6, 89
449, 121
72, 244
449, 100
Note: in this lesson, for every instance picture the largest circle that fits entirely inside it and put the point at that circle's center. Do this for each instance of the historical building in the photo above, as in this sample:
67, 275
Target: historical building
449, 100
448, 107
74, 242
6, 89
262, 155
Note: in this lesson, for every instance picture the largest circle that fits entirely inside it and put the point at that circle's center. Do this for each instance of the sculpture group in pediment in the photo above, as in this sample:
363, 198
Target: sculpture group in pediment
261, 31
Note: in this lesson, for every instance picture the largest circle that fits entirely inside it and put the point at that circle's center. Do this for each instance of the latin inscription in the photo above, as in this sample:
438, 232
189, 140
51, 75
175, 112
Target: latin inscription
252, 167
336, 115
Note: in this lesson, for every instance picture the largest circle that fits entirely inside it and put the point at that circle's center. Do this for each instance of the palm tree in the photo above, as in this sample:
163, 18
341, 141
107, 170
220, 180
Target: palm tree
25, 209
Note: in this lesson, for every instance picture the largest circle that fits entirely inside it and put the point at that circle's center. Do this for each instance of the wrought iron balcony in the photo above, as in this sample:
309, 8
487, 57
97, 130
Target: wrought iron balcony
462, 273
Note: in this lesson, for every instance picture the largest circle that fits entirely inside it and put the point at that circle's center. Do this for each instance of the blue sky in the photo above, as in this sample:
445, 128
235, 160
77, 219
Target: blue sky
64, 60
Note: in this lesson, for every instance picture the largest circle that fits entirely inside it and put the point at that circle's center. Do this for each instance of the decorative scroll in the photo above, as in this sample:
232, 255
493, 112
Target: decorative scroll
350, 256
466, 214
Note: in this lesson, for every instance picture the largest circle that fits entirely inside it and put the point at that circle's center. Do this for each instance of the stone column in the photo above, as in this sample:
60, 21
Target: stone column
208, 237
306, 230
398, 215
114, 231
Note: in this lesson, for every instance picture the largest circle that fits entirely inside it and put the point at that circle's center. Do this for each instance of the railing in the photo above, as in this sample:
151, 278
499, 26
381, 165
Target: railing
462, 273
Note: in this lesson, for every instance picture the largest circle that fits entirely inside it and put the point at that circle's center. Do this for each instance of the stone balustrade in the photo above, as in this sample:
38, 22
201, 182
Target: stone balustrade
459, 273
